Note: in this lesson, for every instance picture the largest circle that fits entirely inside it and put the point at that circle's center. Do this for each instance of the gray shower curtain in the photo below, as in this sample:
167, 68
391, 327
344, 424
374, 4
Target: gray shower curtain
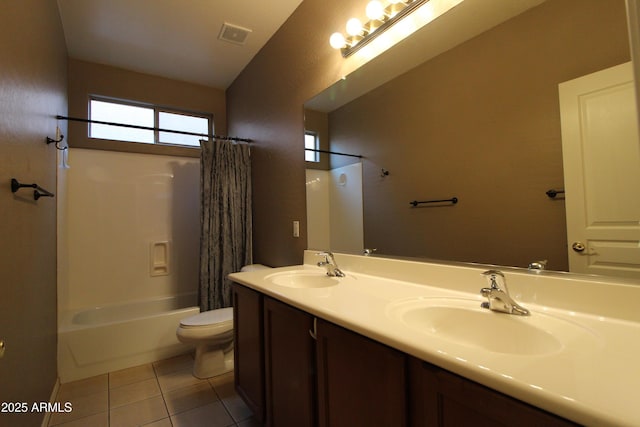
225, 218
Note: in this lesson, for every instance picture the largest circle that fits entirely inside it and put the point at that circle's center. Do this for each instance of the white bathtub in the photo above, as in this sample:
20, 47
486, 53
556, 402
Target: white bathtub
98, 340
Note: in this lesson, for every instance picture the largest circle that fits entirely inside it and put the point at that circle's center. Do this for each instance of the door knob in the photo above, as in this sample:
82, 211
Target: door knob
1, 348
578, 246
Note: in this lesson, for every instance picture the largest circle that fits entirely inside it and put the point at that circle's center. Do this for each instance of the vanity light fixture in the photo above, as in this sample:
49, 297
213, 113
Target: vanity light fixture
380, 17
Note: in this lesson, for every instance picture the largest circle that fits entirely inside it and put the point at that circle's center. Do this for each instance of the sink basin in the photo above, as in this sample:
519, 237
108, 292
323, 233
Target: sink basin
302, 279
463, 321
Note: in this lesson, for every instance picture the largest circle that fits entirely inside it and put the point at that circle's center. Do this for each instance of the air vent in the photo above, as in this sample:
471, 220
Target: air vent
233, 33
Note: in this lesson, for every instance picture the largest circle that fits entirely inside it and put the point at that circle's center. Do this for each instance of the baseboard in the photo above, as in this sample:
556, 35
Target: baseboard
52, 399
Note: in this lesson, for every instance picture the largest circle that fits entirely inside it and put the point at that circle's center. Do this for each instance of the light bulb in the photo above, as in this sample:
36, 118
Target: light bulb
396, 1
375, 10
354, 27
337, 41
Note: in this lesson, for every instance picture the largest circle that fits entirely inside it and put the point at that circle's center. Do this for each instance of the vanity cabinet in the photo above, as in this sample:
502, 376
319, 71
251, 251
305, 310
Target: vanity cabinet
274, 359
290, 384
360, 382
441, 398
295, 370
249, 348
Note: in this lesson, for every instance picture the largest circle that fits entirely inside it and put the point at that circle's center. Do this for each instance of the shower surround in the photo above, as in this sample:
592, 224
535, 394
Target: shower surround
115, 210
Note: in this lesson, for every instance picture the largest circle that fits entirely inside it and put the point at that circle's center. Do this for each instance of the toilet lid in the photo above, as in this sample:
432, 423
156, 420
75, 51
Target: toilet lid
210, 317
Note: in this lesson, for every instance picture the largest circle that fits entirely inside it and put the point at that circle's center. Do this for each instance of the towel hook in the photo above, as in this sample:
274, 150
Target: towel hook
56, 142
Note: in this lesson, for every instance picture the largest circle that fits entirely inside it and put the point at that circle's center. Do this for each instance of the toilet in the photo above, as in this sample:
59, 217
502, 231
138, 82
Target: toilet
212, 334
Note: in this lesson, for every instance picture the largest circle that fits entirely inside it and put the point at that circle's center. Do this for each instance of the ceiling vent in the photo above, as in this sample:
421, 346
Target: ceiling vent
233, 33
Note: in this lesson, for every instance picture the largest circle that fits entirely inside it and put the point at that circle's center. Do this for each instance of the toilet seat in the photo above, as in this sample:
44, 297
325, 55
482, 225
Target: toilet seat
222, 317
210, 326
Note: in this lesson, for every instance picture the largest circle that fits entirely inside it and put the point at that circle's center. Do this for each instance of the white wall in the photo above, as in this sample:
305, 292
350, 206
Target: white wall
334, 209
318, 231
115, 206
346, 212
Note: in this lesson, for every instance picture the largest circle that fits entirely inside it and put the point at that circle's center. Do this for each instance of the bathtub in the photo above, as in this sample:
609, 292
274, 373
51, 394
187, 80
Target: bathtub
98, 340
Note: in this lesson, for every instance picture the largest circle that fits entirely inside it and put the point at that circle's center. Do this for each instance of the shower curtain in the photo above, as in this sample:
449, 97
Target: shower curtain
225, 218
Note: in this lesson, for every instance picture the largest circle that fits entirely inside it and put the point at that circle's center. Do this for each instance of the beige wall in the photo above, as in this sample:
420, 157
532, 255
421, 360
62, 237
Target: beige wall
265, 103
495, 143
318, 122
32, 92
480, 122
86, 79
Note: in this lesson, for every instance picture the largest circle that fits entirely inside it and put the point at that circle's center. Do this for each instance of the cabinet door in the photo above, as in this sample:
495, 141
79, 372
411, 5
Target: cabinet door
360, 382
248, 348
440, 398
289, 365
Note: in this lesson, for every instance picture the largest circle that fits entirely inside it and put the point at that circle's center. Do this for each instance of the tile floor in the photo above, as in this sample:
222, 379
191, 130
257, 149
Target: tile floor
160, 394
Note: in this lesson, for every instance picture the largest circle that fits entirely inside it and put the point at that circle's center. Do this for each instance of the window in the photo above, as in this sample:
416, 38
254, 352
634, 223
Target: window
311, 143
150, 117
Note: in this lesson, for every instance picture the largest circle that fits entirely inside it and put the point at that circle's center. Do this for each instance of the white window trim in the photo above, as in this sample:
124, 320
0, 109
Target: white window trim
316, 146
156, 114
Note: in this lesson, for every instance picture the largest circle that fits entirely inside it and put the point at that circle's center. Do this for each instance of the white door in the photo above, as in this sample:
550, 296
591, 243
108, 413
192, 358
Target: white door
601, 153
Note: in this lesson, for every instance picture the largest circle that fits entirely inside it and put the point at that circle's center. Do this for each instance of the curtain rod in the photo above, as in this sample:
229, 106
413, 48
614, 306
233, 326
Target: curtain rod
228, 138
332, 152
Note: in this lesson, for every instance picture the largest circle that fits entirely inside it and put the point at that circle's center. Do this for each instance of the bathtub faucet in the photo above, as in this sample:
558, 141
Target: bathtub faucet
330, 263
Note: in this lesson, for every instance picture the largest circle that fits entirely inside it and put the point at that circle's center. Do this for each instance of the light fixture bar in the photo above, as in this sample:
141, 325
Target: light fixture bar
361, 41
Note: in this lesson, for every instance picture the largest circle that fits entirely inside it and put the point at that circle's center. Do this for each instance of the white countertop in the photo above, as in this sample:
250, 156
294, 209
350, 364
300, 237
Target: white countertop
592, 379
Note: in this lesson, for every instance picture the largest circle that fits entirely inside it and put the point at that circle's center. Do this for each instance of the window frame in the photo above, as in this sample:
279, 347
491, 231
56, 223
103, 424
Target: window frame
157, 109
316, 146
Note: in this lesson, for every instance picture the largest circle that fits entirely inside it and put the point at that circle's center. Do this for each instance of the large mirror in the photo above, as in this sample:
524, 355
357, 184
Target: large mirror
479, 121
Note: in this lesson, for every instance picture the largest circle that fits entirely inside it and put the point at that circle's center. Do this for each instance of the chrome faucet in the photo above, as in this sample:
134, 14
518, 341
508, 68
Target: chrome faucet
538, 266
330, 263
498, 295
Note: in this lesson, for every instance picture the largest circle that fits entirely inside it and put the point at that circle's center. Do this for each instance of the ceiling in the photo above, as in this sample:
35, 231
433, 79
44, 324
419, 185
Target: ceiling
177, 39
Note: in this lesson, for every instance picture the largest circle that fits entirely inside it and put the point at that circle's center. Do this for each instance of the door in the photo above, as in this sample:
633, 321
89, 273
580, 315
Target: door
601, 153
290, 381
441, 398
361, 383
248, 348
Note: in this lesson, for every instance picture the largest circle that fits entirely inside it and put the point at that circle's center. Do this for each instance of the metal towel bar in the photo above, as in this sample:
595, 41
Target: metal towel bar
452, 200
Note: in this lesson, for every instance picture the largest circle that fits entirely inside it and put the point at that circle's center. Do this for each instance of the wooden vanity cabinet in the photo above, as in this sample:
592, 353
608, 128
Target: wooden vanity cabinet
441, 398
345, 379
361, 383
290, 379
249, 348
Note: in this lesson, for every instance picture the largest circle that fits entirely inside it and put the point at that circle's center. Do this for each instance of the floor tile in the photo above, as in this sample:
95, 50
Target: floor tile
161, 394
186, 398
165, 422
179, 363
82, 406
131, 375
97, 420
222, 379
225, 389
134, 392
91, 385
178, 379
138, 413
251, 422
211, 415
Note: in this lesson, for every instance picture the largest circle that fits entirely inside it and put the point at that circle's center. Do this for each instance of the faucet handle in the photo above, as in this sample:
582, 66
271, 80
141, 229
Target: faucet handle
328, 257
493, 273
491, 277
538, 265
